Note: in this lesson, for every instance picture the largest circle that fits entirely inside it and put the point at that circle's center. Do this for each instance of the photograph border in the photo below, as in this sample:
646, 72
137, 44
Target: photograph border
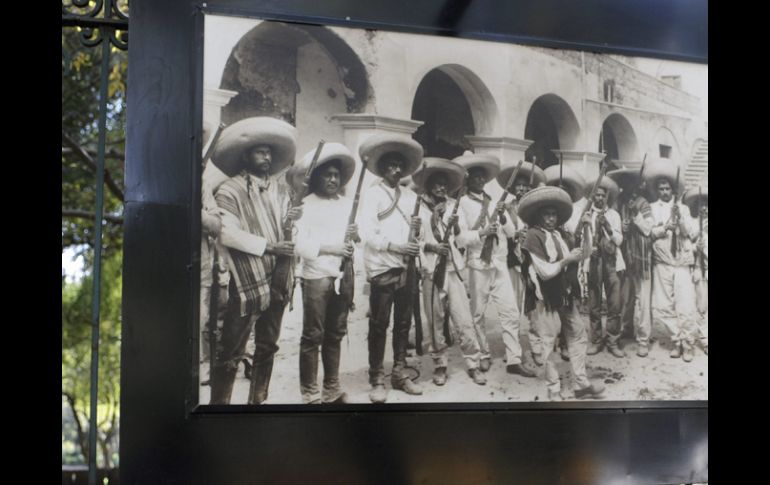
193, 407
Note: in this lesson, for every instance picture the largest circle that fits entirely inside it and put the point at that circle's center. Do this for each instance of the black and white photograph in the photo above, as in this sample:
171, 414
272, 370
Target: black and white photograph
392, 217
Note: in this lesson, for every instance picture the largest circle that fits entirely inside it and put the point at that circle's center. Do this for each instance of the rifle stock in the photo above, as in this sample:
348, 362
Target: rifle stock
347, 283
283, 264
411, 272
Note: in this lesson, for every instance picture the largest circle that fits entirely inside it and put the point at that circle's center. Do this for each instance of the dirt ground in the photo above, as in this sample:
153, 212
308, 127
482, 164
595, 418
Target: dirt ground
655, 377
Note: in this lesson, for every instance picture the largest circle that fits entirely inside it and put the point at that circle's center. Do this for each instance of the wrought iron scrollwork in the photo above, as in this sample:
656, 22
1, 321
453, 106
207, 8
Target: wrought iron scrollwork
103, 19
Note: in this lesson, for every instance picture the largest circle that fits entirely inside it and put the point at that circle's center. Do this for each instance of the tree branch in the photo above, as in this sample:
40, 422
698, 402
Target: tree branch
108, 154
81, 434
86, 158
89, 215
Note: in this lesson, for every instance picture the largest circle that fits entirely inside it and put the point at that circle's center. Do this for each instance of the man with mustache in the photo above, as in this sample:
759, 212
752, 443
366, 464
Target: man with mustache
253, 203
386, 221
321, 236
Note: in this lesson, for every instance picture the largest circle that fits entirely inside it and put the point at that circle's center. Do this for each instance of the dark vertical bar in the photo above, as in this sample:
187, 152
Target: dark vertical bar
95, 304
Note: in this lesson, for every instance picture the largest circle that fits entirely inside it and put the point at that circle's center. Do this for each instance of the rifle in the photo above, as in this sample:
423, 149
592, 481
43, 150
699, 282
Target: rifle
214, 296
283, 264
675, 217
486, 251
700, 232
411, 271
347, 283
213, 143
582, 236
439, 273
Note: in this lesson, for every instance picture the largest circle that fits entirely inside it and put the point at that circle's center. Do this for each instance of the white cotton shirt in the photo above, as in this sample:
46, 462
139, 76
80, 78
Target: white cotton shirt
661, 246
394, 228
469, 238
323, 221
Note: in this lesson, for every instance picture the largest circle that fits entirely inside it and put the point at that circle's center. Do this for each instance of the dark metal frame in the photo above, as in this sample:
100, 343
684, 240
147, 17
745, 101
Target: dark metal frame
191, 443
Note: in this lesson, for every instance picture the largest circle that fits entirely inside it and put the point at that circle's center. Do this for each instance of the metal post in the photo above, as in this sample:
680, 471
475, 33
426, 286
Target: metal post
95, 303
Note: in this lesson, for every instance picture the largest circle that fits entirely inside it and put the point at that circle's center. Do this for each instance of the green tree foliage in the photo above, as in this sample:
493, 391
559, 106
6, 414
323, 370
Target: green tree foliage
81, 71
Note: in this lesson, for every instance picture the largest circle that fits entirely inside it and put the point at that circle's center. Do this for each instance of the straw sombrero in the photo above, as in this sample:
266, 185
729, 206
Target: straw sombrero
690, 199
490, 164
658, 169
455, 173
572, 181
241, 136
536, 199
524, 172
374, 147
607, 184
627, 178
330, 151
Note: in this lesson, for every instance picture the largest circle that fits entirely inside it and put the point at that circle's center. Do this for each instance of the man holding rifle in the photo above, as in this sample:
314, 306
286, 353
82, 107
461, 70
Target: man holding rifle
636, 224
254, 202
324, 238
673, 292
386, 227
442, 286
488, 269
602, 226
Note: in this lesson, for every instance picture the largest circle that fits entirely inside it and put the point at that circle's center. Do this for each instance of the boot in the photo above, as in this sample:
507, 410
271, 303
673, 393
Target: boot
222, 381
260, 382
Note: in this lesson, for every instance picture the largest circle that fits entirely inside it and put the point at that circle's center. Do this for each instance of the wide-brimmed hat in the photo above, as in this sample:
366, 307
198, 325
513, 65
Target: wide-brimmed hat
572, 181
691, 196
524, 172
544, 196
243, 135
374, 147
454, 172
490, 163
607, 184
658, 169
330, 151
627, 178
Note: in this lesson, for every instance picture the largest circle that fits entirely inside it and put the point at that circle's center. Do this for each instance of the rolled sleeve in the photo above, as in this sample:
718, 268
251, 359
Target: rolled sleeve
544, 269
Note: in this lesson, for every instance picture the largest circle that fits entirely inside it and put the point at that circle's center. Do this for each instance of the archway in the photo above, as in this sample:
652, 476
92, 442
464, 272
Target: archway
551, 125
453, 103
618, 140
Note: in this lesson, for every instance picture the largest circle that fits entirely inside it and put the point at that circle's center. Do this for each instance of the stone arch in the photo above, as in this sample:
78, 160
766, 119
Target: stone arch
302, 74
453, 102
551, 125
618, 139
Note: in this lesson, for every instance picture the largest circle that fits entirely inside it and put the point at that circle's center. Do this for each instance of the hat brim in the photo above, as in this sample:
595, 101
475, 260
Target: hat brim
455, 174
243, 135
691, 197
524, 172
571, 181
374, 147
330, 151
656, 171
489, 163
626, 178
607, 184
538, 198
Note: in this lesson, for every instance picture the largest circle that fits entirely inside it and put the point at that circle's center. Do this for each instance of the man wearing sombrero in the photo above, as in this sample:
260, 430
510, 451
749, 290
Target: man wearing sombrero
521, 185
606, 260
253, 205
435, 181
636, 222
321, 235
569, 179
553, 271
673, 292
385, 223
490, 280
697, 200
